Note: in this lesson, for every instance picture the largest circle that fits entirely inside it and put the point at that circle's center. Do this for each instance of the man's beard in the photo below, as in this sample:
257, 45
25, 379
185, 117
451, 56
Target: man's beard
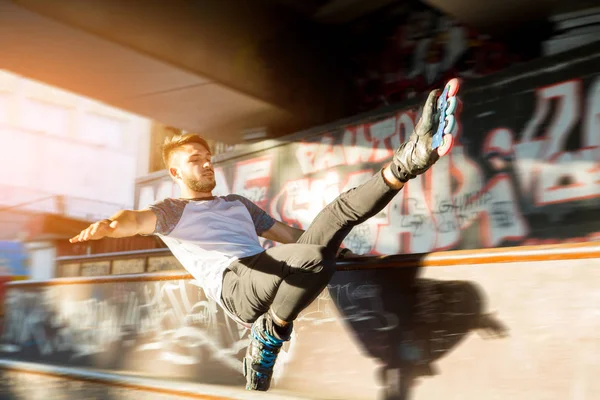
203, 186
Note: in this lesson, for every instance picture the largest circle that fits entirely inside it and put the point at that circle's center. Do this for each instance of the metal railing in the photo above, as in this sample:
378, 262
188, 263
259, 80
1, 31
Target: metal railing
70, 266
520, 254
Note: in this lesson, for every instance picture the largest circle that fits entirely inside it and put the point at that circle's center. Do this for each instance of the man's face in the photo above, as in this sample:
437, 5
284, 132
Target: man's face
192, 163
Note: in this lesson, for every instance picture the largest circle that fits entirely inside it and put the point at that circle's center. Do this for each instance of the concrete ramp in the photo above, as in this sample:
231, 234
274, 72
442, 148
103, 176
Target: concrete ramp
28, 381
518, 323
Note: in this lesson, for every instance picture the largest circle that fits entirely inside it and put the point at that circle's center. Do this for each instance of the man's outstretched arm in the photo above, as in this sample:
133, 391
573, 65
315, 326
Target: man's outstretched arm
124, 223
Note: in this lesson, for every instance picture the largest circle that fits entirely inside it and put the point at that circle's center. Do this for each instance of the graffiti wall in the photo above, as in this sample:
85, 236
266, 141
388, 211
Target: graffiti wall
120, 326
169, 329
525, 168
387, 334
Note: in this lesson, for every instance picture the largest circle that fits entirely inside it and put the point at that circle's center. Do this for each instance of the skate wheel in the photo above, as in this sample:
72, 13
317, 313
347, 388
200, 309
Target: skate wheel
452, 104
446, 146
452, 86
450, 122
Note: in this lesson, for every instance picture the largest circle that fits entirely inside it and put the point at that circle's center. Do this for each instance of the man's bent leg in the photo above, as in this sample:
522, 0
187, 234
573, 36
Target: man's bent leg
288, 278
301, 286
298, 289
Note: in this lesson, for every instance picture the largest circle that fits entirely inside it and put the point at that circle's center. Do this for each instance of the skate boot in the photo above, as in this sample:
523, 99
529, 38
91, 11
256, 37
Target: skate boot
431, 137
262, 353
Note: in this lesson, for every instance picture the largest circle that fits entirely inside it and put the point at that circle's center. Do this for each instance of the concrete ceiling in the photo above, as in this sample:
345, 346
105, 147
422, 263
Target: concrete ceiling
212, 70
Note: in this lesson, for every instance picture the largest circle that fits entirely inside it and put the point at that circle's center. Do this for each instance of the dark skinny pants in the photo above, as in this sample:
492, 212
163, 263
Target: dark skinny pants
289, 277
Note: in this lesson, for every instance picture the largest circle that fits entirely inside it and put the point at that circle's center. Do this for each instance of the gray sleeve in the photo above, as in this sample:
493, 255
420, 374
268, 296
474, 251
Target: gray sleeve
168, 213
262, 221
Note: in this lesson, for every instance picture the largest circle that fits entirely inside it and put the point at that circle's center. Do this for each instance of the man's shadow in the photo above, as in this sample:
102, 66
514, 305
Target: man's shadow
407, 323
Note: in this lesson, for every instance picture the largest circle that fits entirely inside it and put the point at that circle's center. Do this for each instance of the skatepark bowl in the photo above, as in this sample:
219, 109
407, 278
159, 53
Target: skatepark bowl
507, 323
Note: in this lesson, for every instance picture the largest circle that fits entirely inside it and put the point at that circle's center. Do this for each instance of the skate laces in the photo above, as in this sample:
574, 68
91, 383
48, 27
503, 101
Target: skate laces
269, 349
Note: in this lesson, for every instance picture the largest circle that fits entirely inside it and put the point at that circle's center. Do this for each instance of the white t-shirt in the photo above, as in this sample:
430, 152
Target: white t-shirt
206, 236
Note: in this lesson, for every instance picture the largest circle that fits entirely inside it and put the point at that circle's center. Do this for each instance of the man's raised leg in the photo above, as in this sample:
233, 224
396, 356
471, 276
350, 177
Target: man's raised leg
414, 157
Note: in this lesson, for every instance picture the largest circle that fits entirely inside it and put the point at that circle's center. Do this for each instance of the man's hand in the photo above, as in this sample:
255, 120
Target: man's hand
97, 230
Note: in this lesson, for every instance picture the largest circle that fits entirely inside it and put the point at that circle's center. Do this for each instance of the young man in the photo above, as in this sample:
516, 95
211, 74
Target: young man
216, 239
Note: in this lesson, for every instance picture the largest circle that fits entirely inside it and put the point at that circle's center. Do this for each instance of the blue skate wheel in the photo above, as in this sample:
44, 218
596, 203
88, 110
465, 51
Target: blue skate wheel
447, 104
450, 122
452, 103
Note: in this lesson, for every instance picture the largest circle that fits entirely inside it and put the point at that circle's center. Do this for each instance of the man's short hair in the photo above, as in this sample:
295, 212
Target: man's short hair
172, 143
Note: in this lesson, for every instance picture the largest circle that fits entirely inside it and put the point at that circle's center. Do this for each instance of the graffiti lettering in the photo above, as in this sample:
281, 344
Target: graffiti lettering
252, 179
546, 170
148, 319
